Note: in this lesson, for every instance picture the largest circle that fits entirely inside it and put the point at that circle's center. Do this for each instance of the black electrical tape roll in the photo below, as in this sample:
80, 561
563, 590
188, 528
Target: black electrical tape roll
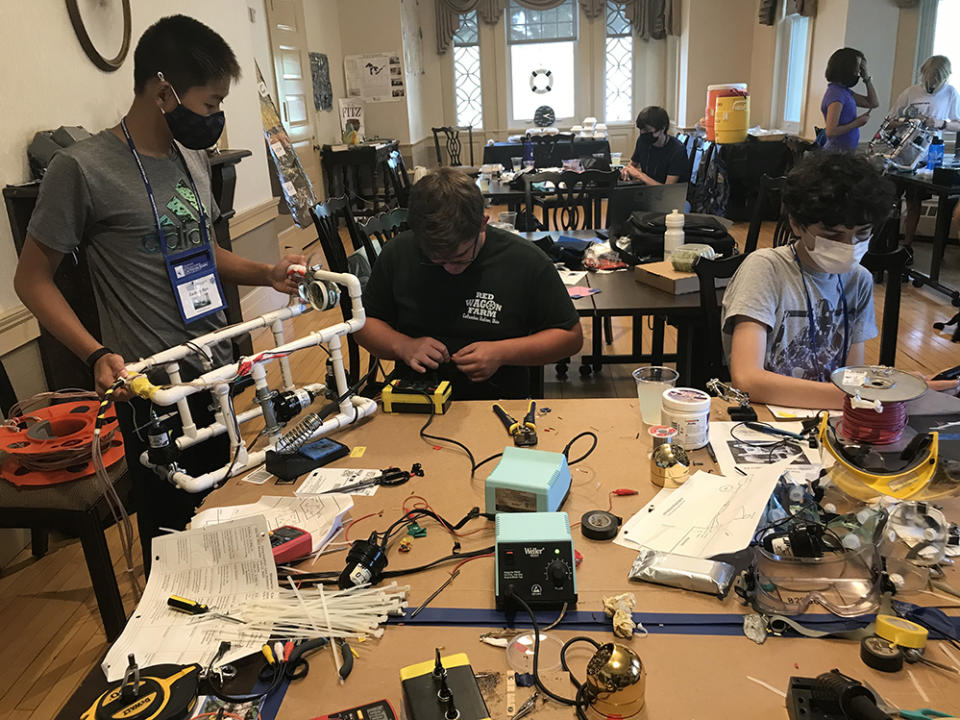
880, 654
599, 525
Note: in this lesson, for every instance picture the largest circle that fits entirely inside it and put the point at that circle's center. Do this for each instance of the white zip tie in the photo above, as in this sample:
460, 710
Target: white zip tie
337, 660
923, 695
771, 688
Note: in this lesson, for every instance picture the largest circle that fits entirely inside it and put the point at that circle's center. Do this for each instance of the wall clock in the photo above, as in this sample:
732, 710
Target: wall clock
101, 13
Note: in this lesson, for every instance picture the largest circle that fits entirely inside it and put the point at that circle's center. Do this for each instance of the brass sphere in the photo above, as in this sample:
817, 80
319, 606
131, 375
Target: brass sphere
616, 681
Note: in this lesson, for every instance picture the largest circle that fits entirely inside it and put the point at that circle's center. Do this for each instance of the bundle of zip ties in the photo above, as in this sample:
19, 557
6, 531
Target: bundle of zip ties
314, 611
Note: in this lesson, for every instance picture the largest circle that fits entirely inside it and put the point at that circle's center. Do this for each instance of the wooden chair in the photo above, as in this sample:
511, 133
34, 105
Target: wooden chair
452, 143
76, 507
712, 360
376, 231
396, 182
327, 219
894, 264
769, 191
575, 202
552, 150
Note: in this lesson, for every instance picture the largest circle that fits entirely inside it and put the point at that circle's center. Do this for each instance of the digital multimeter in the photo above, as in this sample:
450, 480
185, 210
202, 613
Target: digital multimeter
380, 710
290, 543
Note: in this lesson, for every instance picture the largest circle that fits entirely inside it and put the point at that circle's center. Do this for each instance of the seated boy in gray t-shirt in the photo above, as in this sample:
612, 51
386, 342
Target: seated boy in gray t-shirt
795, 313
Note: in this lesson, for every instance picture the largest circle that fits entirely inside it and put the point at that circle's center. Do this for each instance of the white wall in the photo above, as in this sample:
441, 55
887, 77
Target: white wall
48, 81
373, 26
872, 29
906, 55
260, 42
717, 39
762, 61
322, 20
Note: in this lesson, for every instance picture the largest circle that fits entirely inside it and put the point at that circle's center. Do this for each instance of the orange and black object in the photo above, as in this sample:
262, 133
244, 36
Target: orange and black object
524, 432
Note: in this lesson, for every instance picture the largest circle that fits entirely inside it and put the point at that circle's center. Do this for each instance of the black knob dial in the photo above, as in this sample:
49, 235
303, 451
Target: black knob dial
558, 572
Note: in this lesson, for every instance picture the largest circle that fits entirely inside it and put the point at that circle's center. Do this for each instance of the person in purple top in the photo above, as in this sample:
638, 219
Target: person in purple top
845, 68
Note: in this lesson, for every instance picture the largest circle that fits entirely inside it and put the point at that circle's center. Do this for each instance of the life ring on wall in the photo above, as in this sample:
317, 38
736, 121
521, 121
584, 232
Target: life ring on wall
541, 81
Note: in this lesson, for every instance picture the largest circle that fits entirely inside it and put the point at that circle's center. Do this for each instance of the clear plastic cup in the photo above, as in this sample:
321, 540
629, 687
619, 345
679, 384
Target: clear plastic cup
508, 217
651, 382
615, 159
529, 164
517, 163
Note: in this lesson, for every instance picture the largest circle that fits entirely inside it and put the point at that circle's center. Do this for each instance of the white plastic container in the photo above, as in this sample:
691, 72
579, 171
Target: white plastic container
673, 237
687, 410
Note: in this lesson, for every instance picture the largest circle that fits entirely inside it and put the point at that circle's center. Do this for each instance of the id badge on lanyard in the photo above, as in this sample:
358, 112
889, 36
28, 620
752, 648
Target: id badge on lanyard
193, 274
195, 281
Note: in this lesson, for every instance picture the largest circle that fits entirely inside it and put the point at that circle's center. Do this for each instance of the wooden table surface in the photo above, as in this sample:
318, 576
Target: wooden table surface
689, 676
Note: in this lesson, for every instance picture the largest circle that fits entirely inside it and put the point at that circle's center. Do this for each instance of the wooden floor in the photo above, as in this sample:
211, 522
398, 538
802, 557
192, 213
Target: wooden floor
49, 622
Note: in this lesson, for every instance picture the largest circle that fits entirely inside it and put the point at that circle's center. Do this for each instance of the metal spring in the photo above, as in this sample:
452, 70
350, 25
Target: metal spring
293, 440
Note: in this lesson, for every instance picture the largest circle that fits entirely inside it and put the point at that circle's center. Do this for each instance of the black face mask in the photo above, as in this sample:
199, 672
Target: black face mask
646, 138
193, 130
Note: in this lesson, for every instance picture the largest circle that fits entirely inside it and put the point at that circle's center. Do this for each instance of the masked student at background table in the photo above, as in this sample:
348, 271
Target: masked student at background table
795, 313
137, 199
456, 300
845, 68
937, 103
658, 158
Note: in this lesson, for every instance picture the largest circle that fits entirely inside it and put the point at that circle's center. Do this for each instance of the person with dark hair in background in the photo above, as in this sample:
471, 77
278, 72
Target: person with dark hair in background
795, 313
136, 197
460, 301
845, 68
937, 103
658, 158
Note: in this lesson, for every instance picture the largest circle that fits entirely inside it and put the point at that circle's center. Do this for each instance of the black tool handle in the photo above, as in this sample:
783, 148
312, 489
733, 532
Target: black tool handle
504, 416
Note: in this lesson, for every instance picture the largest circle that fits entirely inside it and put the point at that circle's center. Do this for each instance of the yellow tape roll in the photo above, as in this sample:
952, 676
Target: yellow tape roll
901, 632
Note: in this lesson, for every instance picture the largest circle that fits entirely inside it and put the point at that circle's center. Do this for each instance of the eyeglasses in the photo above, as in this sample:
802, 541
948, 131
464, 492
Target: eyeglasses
458, 260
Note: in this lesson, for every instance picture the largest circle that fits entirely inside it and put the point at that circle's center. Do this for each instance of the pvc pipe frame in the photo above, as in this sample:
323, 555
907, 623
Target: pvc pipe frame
215, 382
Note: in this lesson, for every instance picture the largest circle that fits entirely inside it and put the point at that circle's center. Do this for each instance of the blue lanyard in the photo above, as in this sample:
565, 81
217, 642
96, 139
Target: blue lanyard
812, 323
161, 238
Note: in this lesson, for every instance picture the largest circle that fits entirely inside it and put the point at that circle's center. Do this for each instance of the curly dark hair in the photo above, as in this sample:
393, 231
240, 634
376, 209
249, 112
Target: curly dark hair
835, 189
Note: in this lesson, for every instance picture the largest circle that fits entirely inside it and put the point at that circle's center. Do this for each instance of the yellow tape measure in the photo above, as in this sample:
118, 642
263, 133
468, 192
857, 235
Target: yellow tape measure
901, 632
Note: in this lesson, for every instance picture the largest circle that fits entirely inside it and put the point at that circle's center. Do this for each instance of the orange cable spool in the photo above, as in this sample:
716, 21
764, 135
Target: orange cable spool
48, 436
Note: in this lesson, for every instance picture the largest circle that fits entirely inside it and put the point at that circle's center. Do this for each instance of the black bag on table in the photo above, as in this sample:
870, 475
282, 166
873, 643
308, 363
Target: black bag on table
647, 229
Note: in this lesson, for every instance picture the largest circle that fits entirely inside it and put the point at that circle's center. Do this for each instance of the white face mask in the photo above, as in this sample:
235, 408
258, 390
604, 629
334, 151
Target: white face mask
838, 257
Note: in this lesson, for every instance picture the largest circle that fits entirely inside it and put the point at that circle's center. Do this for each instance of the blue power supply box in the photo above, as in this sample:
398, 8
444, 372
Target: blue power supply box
527, 480
535, 561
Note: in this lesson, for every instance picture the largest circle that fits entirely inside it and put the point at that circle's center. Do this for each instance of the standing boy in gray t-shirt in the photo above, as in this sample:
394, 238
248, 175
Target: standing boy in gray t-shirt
136, 198
794, 314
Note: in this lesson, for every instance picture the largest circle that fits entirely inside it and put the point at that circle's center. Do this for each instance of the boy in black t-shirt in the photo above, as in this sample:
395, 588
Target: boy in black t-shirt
473, 304
658, 159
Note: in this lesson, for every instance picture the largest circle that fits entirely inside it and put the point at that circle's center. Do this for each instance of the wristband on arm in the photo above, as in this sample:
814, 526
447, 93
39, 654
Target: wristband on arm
95, 356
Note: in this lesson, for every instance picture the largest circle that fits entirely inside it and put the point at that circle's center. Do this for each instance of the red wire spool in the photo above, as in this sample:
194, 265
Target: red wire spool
55, 432
869, 426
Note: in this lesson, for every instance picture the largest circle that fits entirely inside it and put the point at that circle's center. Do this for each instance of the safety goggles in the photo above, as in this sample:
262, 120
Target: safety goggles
864, 471
845, 583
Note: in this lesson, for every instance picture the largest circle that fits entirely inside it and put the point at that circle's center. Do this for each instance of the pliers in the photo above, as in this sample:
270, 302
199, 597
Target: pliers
524, 433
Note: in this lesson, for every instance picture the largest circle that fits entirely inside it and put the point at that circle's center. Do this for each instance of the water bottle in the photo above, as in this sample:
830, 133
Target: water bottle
527, 150
935, 154
673, 237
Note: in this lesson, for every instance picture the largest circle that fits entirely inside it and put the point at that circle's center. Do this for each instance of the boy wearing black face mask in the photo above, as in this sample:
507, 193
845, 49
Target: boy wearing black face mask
137, 197
658, 159
793, 314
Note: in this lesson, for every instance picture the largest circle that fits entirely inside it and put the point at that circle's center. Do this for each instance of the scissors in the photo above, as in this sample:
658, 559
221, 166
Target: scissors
926, 714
